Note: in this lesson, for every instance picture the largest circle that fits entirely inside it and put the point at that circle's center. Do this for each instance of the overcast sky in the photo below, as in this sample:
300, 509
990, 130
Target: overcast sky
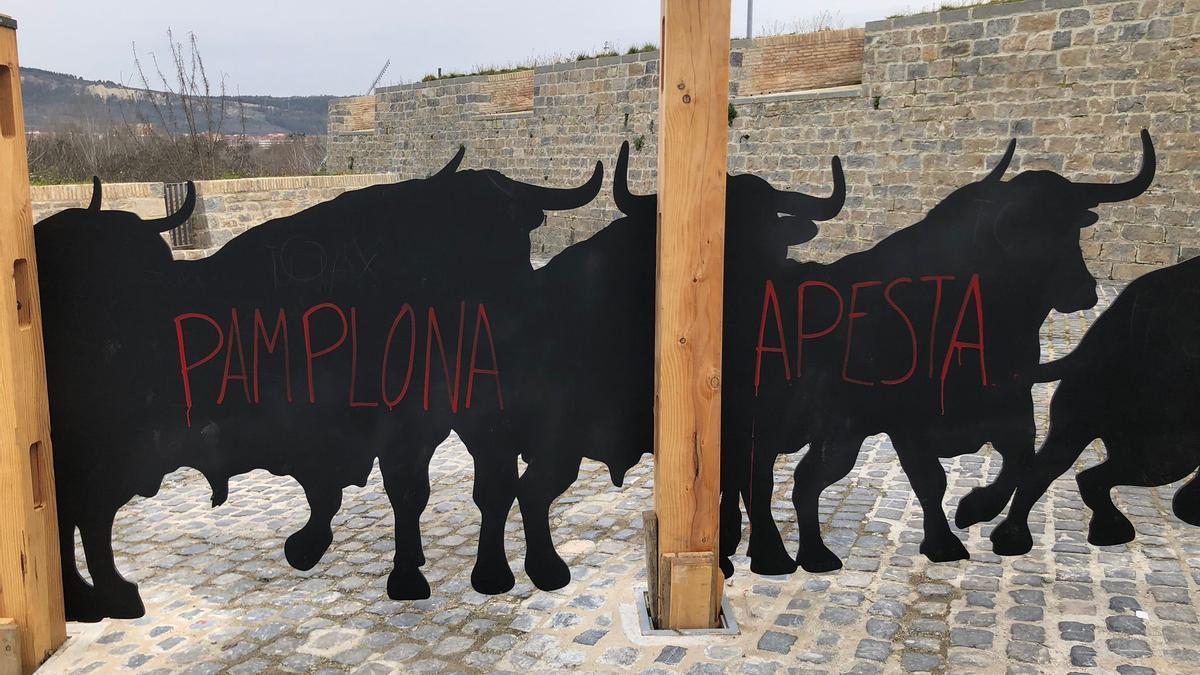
309, 47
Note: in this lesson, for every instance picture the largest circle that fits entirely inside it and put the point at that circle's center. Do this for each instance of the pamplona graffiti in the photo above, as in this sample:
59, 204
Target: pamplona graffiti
369, 327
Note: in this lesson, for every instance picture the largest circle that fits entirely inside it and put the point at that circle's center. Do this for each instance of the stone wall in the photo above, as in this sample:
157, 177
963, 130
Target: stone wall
224, 208
144, 199
1072, 80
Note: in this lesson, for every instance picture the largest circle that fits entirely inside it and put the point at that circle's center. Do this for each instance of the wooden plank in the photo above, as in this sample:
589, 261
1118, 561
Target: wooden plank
663, 611
650, 523
10, 648
693, 114
718, 585
689, 603
30, 570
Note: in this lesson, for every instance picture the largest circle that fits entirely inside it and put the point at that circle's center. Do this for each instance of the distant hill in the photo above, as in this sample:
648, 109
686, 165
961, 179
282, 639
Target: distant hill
56, 101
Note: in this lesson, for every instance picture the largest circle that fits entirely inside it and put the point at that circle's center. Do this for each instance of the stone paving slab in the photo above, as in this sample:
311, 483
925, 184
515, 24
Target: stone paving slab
221, 598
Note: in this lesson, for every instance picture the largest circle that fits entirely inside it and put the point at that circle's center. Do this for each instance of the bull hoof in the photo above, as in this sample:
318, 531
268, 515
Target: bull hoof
979, 506
945, 550
304, 551
1011, 538
407, 584
82, 605
492, 579
773, 565
820, 559
121, 601
549, 572
1187, 510
1110, 531
726, 566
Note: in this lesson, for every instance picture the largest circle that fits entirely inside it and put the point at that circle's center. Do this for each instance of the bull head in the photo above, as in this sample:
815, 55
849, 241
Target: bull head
1018, 211
565, 199
174, 220
807, 207
1094, 194
158, 225
1090, 195
798, 206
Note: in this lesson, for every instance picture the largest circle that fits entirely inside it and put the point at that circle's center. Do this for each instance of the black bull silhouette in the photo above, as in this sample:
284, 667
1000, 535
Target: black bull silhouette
1134, 383
127, 331
407, 302
927, 337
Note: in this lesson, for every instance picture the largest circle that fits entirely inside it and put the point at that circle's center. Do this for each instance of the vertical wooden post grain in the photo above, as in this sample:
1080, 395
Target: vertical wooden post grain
693, 130
30, 571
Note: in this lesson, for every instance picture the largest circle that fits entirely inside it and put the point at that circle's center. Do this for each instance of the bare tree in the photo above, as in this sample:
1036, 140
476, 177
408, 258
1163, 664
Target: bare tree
172, 129
184, 109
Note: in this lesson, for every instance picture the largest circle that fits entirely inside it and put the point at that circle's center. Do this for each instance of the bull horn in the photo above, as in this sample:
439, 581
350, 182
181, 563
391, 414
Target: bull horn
563, 199
1103, 193
94, 205
629, 203
178, 218
998, 172
817, 208
452, 166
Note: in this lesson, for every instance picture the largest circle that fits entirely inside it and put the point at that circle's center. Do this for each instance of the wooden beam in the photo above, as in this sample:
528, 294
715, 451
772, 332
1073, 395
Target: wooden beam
30, 570
693, 128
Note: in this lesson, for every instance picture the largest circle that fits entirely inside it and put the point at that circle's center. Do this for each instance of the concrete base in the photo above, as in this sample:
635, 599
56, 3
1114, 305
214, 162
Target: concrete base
80, 636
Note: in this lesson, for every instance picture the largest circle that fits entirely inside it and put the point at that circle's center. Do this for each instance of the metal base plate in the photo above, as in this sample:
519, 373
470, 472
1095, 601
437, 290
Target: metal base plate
727, 622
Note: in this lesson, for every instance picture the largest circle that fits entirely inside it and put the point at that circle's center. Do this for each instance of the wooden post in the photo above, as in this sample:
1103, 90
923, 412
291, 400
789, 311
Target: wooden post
30, 571
693, 109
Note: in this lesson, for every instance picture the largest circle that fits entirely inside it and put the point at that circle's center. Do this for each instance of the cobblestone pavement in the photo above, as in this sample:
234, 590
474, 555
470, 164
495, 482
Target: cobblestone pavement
221, 598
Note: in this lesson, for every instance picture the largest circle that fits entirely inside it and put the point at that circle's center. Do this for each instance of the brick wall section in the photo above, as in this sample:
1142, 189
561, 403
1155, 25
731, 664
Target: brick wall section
356, 113
827, 58
508, 92
224, 208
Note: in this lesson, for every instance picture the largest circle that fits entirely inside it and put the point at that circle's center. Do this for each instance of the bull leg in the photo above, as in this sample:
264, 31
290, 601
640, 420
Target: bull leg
1108, 525
1126, 465
116, 597
494, 492
988, 501
928, 480
730, 527
305, 547
1186, 503
406, 479
767, 553
1063, 446
824, 464
78, 595
544, 480
733, 480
